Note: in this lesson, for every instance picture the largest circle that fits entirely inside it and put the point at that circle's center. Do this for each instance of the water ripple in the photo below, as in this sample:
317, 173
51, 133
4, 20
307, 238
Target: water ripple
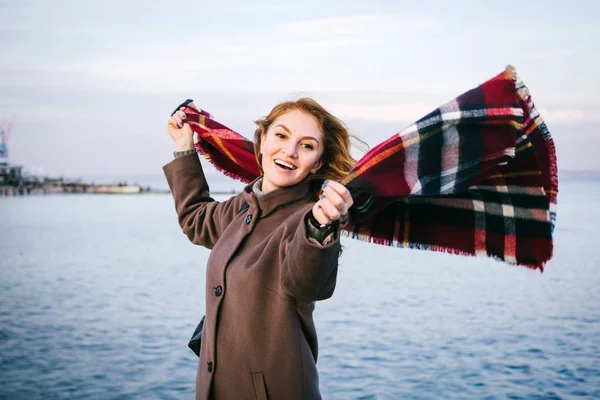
103, 310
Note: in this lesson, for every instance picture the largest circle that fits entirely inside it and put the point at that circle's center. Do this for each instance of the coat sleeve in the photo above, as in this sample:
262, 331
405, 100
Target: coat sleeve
202, 218
309, 269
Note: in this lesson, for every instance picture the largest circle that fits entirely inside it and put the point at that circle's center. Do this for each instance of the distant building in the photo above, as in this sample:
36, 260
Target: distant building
10, 174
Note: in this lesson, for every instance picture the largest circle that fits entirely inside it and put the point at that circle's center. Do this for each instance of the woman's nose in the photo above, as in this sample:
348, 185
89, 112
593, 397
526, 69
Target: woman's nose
290, 149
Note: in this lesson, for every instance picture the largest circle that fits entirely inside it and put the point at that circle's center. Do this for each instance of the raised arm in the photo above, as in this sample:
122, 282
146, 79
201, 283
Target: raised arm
201, 217
309, 268
310, 253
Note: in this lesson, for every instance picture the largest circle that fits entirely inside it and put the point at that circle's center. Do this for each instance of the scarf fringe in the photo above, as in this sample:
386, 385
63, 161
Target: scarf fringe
524, 95
225, 172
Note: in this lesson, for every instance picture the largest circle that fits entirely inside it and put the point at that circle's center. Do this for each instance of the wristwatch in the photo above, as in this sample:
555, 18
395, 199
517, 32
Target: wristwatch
322, 232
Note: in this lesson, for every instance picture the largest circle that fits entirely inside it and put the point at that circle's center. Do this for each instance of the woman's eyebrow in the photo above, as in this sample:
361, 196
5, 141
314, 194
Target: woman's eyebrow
284, 128
302, 138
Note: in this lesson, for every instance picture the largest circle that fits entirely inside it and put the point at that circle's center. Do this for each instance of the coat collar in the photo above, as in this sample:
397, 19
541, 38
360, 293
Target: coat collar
269, 202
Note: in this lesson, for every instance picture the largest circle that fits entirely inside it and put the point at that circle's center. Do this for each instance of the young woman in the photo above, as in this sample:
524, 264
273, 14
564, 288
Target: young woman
275, 250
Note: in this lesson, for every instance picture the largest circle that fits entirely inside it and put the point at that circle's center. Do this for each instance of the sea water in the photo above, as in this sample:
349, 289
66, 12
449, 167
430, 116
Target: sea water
99, 295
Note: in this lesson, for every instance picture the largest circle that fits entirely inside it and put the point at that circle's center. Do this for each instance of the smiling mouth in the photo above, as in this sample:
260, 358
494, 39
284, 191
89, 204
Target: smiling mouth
285, 165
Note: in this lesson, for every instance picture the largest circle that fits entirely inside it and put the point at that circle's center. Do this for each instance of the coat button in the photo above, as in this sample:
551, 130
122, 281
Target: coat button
218, 290
248, 219
209, 366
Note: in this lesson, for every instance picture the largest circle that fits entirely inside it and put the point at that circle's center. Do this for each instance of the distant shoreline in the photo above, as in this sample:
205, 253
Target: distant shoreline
130, 190
14, 184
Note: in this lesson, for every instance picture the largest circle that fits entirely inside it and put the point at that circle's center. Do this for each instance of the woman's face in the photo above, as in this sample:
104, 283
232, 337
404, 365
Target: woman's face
291, 149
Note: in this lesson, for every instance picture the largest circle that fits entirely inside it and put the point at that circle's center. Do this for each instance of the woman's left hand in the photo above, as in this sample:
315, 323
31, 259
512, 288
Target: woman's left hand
333, 204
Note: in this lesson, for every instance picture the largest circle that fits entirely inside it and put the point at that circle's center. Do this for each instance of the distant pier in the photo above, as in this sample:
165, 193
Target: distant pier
14, 183
76, 187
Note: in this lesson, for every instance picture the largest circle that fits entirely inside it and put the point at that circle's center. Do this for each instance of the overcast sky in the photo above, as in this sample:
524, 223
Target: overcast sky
91, 83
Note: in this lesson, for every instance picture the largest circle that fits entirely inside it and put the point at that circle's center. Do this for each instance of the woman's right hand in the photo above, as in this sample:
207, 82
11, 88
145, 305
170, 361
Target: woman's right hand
180, 130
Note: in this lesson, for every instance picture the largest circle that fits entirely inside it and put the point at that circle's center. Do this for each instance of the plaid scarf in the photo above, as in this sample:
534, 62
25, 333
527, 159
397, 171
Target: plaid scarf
477, 176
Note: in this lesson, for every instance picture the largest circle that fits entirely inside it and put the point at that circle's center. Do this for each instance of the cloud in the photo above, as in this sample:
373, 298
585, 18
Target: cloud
309, 53
406, 112
298, 44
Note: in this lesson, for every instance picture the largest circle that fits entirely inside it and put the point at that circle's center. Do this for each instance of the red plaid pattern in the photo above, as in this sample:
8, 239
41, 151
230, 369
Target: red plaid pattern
477, 176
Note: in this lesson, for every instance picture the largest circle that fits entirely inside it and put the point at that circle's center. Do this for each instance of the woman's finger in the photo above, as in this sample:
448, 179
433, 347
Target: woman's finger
341, 190
339, 195
178, 118
346, 195
335, 199
331, 212
319, 214
182, 116
192, 106
173, 122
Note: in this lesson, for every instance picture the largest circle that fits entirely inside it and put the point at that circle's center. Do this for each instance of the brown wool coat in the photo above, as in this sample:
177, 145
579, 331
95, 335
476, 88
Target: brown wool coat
262, 279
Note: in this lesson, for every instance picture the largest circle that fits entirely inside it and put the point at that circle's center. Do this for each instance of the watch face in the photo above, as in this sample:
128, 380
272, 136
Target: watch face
329, 227
326, 226
318, 225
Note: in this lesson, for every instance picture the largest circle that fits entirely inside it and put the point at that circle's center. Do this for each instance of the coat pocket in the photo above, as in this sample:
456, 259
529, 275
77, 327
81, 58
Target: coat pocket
260, 391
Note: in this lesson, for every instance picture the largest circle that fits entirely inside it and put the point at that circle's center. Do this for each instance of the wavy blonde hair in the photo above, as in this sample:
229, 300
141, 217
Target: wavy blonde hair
336, 158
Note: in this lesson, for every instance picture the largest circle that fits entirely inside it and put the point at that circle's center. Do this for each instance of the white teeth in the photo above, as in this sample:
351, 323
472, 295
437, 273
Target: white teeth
290, 166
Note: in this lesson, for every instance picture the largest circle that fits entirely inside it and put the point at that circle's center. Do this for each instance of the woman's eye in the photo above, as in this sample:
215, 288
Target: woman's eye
280, 135
308, 146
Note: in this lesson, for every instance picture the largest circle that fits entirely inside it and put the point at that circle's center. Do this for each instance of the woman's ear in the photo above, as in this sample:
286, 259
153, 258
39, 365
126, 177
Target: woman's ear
262, 142
317, 167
